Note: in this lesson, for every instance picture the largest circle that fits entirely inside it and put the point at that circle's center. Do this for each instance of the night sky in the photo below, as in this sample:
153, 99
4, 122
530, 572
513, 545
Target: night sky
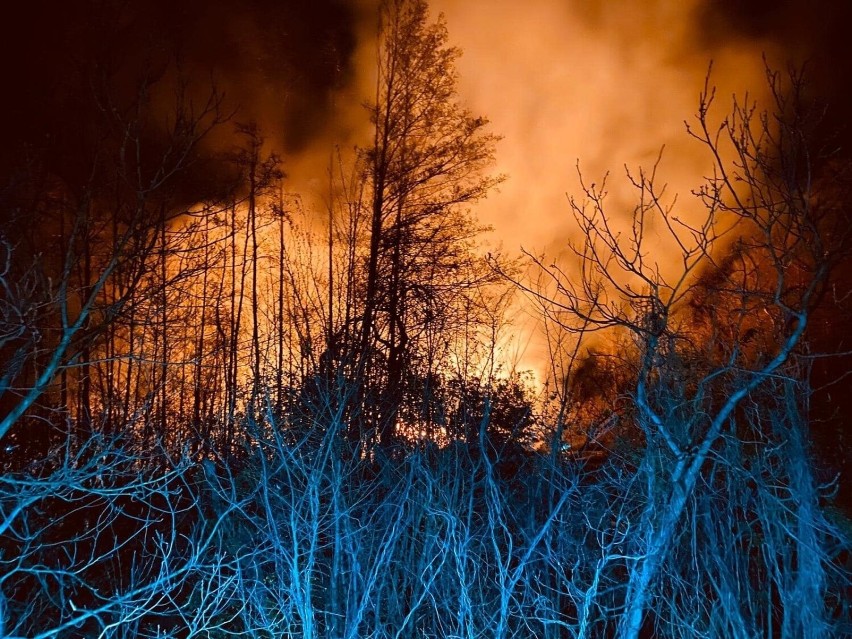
283, 62
286, 56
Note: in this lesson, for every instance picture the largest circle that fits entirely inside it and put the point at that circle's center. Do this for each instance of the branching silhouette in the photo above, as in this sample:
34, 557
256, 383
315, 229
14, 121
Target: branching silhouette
221, 418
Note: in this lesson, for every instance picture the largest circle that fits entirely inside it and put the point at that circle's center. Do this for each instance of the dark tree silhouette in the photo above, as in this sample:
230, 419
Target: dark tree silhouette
716, 367
424, 168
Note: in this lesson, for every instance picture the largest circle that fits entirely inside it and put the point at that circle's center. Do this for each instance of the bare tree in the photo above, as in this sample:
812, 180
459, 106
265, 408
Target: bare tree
102, 541
424, 167
712, 335
110, 229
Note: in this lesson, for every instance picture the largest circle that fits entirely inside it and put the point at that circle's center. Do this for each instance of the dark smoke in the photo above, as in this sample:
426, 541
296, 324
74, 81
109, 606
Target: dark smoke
810, 33
282, 62
278, 62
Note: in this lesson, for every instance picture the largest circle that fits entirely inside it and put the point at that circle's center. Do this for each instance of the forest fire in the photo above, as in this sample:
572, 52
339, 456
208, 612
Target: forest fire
265, 371
625, 80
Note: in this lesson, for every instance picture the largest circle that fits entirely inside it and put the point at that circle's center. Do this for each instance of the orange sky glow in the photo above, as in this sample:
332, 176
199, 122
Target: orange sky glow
602, 84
